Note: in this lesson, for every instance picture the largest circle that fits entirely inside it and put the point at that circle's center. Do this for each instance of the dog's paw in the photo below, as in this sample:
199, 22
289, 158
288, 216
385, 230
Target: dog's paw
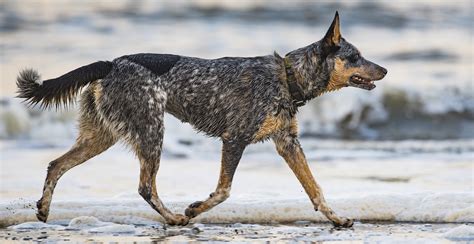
178, 219
345, 223
41, 217
195, 204
41, 214
191, 210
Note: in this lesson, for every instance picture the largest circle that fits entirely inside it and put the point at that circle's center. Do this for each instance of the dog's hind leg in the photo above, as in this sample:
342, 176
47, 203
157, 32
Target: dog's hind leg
140, 121
231, 154
149, 165
133, 102
148, 151
93, 139
289, 148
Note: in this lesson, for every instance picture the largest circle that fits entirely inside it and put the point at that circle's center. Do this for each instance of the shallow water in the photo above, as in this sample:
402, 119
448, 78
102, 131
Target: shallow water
299, 232
91, 229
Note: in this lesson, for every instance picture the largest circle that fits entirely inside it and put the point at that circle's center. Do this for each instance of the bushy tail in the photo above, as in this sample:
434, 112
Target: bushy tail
61, 90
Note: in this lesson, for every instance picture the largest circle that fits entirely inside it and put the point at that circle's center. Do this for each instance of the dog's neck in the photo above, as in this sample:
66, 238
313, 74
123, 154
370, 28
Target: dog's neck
296, 92
307, 74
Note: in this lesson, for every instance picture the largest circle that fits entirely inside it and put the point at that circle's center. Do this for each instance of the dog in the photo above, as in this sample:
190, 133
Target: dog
242, 100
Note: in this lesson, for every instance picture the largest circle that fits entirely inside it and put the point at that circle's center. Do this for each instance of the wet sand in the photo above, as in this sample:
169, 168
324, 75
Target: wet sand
296, 232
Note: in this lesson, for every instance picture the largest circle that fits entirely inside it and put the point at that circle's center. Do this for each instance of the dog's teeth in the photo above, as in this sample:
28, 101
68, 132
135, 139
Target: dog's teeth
359, 79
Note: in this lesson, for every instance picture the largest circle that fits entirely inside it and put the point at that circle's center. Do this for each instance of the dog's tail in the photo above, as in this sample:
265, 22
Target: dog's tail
61, 90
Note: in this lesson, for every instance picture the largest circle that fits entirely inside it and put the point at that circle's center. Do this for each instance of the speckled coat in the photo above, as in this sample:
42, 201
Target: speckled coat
241, 100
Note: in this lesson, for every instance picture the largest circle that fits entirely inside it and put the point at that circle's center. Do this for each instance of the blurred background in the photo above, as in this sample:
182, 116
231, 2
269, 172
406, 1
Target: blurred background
426, 46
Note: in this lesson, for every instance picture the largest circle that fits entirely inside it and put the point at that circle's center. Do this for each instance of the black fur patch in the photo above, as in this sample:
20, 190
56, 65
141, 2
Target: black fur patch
157, 63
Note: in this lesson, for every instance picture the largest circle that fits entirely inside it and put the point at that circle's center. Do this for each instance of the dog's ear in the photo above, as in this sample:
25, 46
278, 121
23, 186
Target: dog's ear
333, 36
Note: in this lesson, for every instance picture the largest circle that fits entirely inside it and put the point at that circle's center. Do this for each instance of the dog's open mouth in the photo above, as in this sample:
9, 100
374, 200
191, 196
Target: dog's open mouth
361, 82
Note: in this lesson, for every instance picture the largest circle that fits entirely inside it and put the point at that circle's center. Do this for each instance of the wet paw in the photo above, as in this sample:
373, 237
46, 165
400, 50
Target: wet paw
195, 204
178, 219
41, 217
346, 223
191, 210
41, 214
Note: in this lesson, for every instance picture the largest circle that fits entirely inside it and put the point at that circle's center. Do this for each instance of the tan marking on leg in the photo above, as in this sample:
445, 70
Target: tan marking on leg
270, 125
293, 130
288, 147
147, 189
221, 193
88, 145
223, 188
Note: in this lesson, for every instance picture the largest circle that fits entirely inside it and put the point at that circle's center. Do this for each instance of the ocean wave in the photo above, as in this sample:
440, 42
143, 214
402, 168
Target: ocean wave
456, 207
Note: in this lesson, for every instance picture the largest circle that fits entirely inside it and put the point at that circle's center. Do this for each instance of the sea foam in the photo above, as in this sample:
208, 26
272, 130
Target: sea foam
419, 207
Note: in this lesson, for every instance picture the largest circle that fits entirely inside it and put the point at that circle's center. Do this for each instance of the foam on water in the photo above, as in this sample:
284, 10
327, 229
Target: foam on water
420, 207
36, 225
83, 223
460, 233
93, 225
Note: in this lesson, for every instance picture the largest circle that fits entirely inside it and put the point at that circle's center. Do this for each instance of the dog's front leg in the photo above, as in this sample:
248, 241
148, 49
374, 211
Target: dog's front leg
289, 148
231, 153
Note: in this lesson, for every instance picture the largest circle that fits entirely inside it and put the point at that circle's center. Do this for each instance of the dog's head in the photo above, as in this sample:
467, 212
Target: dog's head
346, 65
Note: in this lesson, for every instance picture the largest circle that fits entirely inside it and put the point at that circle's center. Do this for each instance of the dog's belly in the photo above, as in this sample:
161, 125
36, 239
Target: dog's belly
213, 122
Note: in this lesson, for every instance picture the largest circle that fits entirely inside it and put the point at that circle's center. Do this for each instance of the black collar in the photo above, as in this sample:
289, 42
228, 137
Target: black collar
296, 92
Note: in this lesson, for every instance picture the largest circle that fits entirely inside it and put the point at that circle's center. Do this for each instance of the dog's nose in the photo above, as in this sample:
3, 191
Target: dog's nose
384, 70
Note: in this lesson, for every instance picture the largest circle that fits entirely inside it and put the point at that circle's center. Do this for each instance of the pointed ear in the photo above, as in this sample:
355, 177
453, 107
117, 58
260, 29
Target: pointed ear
333, 36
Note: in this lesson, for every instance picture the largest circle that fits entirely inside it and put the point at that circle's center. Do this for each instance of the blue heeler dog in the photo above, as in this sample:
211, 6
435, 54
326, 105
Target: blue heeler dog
241, 100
